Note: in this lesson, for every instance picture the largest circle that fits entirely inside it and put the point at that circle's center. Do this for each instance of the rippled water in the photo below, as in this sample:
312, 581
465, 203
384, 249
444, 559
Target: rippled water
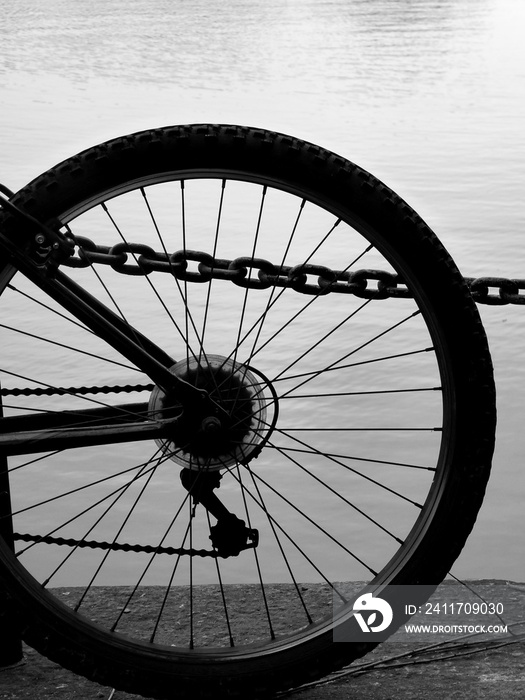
429, 96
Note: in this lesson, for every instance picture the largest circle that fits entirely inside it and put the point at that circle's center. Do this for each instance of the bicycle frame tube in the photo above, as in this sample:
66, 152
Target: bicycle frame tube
125, 339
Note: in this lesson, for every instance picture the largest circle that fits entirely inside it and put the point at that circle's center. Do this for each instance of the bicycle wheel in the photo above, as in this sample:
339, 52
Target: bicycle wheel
349, 422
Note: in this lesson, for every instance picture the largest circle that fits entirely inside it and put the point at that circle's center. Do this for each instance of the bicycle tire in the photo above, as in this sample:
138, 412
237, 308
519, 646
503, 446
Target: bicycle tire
333, 184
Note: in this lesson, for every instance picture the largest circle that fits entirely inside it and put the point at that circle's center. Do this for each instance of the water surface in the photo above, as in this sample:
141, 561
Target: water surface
429, 96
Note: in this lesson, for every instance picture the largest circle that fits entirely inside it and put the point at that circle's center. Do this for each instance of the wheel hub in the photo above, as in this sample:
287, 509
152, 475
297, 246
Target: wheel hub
229, 432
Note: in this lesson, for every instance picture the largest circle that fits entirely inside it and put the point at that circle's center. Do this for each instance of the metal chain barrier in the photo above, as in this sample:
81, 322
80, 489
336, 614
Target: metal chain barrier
365, 283
249, 273
257, 273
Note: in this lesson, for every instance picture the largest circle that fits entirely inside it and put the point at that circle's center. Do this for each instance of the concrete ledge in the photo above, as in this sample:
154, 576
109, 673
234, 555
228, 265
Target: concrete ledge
464, 669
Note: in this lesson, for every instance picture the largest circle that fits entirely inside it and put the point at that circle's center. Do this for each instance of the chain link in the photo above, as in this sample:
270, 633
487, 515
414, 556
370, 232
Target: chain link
508, 290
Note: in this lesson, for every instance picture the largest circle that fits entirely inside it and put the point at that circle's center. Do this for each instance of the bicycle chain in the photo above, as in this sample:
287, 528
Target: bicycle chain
115, 546
76, 390
388, 284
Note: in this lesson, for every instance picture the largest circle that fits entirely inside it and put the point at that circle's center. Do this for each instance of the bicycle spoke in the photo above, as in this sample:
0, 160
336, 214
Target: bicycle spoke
306, 517
111, 297
151, 559
75, 517
189, 320
296, 546
183, 335
336, 364
119, 531
339, 495
76, 490
98, 521
304, 308
214, 253
49, 308
185, 285
223, 594
256, 556
252, 257
337, 367
281, 549
352, 458
346, 466
30, 462
360, 393
98, 317
167, 592
260, 321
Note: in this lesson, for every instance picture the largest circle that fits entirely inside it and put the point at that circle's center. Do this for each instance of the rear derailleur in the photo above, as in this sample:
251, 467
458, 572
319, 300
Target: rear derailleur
229, 536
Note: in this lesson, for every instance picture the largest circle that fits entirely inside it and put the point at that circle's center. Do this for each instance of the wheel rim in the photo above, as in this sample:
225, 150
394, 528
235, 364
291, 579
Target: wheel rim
304, 446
